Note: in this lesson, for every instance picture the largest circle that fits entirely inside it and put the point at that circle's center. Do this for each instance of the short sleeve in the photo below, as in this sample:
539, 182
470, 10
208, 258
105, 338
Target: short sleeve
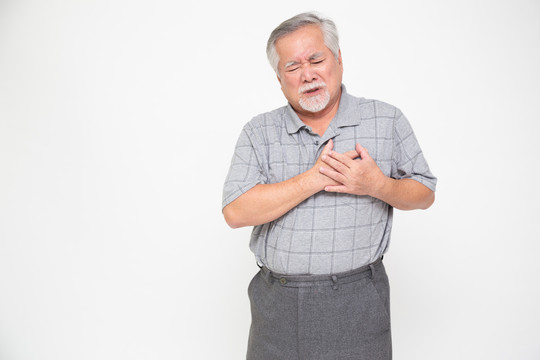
408, 161
247, 167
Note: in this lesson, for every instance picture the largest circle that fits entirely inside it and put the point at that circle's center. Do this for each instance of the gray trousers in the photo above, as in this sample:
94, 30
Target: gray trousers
316, 317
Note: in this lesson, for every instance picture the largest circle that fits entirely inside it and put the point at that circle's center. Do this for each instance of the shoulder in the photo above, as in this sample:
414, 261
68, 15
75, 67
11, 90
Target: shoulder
264, 122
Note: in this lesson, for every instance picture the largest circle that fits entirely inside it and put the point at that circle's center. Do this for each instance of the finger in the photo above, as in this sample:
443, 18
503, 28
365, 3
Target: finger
335, 164
352, 154
362, 151
341, 158
336, 188
332, 174
328, 147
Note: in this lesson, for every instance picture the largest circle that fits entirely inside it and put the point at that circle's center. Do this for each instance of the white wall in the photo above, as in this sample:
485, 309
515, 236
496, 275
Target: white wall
117, 124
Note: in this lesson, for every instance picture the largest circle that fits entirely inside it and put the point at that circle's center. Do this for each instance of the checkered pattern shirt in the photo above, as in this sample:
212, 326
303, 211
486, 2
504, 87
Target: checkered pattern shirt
328, 232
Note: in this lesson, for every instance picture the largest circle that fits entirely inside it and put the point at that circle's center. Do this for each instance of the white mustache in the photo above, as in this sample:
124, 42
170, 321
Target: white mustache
310, 86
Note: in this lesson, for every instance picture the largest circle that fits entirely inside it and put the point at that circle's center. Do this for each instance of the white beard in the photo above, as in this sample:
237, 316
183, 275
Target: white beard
314, 103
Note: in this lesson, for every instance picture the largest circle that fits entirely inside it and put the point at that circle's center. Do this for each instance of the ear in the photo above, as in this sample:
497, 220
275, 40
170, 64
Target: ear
278, 79
340, 62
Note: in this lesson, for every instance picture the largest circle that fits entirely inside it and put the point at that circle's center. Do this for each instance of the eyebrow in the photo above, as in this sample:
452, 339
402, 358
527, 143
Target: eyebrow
316, 55
291, 63
312, 57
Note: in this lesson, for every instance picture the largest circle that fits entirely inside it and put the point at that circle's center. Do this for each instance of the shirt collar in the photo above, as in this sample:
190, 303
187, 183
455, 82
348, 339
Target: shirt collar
343, 116
293, 122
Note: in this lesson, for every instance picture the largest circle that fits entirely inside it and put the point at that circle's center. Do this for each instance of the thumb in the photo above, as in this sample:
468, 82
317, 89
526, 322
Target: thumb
351, 154
328, 147
362, 151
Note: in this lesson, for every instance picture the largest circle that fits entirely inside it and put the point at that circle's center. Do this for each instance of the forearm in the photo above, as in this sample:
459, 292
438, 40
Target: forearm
266, 202
405, 194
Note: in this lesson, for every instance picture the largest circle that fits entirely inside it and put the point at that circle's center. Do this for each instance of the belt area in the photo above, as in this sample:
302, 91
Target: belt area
322, 280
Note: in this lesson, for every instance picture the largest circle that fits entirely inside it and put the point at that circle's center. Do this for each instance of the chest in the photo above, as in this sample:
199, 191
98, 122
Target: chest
293, 154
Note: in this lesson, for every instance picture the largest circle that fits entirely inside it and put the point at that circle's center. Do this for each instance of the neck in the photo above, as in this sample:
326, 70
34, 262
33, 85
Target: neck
319, 121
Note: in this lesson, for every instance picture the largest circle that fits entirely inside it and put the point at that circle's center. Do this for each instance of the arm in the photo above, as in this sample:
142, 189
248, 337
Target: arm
363, 177
405, 194
266, 202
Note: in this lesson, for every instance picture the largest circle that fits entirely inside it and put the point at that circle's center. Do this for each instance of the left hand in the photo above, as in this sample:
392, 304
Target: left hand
358, 177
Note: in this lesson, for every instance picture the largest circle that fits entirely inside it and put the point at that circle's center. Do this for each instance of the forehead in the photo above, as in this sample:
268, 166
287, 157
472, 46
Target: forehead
301, 44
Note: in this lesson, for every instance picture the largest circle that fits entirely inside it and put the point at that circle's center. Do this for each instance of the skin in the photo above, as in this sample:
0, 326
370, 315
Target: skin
304, 59
363, 177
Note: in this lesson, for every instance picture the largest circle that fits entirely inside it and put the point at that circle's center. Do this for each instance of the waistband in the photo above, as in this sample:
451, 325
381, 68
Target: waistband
322, 280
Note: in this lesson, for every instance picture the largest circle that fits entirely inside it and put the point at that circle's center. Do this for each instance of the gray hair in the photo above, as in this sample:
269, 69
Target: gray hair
328, 28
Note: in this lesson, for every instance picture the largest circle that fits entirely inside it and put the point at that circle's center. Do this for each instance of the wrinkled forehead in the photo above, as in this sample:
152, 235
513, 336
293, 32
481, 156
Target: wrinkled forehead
301, 45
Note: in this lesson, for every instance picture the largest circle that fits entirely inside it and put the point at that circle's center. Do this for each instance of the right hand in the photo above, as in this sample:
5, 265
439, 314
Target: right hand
322, 180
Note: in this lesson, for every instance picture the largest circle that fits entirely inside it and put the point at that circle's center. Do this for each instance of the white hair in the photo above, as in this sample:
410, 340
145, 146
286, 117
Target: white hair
327, 26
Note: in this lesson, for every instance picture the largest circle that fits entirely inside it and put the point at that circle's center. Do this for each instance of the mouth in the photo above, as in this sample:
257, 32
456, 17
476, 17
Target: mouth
313, 91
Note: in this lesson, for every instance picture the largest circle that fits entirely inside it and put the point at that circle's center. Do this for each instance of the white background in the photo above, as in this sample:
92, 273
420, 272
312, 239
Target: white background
118, 120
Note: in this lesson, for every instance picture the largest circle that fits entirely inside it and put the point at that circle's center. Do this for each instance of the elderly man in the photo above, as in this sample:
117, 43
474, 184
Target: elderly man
318, 179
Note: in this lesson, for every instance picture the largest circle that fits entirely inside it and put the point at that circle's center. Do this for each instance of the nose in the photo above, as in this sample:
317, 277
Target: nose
308, 73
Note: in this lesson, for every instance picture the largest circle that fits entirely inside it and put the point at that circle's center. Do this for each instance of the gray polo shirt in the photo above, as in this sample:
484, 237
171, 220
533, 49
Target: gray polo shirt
328, 232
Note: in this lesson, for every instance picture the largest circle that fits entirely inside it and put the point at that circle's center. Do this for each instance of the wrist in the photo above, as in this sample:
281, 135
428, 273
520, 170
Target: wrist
312, 180
382, 186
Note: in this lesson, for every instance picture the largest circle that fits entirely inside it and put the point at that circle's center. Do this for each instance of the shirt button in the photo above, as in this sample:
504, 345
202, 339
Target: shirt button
316, 142
283, 281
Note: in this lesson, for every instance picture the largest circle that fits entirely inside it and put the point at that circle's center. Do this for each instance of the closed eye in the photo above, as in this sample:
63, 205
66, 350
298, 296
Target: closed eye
293, 69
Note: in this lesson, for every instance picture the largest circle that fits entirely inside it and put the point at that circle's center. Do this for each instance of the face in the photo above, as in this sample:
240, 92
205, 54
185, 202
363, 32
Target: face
309, 74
